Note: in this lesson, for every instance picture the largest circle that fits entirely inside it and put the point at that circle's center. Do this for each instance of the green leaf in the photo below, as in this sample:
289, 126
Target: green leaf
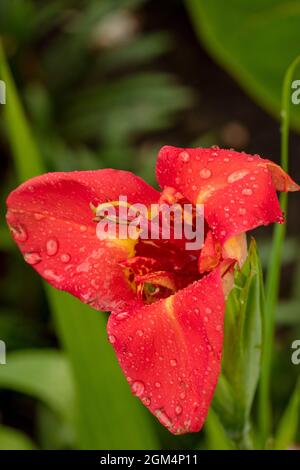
288, 425
23, 147
254, 40
11, 439
216, 436
242, 349
109, 417
42, 374
287, 312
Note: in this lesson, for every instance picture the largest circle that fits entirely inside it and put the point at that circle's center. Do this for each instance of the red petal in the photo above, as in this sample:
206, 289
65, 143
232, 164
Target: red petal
238, 190
236, 248
52, 223
170, 352
282, 181
210, 255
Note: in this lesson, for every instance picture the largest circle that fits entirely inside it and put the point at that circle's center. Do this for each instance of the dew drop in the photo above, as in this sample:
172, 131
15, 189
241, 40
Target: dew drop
157, 384
122, 316
242, 211
32, 258
38, 216
52, 276
19, 233
52, 247
146, 401
208, 310
163, 418
139, 332
237, 175
184, 156
178, 410
65, 257
205, 173
182, 395
112, 339
173, 362
247, 192
138, 388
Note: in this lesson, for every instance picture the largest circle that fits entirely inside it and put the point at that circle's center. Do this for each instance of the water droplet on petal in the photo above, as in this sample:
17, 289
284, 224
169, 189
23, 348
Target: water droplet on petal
140, 332
112, 339
38, 216
157, 384
184, 156
163, 418
237, 175
247, 192
182, 395
32, 258
52, 276
138, 388
178, 410
19, 233
205, 173
65, 257
146, 401
208, 310
122, 316
173, 362
52, 247
242, 210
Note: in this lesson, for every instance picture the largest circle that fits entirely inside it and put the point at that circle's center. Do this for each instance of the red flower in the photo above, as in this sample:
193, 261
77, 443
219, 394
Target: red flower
166, 302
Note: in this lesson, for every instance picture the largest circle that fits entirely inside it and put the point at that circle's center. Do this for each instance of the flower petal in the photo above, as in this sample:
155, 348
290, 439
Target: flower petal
52, 223
236, 248
170, 352
282, 181
238, 190
210, 255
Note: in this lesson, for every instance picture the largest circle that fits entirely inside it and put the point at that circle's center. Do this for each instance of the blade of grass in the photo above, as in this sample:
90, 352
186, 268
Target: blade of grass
43, 374
216, 436
109, 417
273, 275
12, 439
288, 425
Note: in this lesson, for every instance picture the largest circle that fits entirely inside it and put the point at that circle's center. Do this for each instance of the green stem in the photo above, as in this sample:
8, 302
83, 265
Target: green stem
273, 275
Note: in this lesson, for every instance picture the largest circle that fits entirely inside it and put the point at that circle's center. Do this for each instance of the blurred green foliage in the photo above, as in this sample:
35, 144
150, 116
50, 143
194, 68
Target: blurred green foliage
255, 41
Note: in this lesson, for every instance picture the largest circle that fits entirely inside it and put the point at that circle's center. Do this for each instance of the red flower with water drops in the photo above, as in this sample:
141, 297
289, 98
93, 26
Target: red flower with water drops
166, 302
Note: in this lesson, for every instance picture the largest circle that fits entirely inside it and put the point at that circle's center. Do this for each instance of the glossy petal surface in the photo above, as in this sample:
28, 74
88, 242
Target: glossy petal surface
170, 352
52, 223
